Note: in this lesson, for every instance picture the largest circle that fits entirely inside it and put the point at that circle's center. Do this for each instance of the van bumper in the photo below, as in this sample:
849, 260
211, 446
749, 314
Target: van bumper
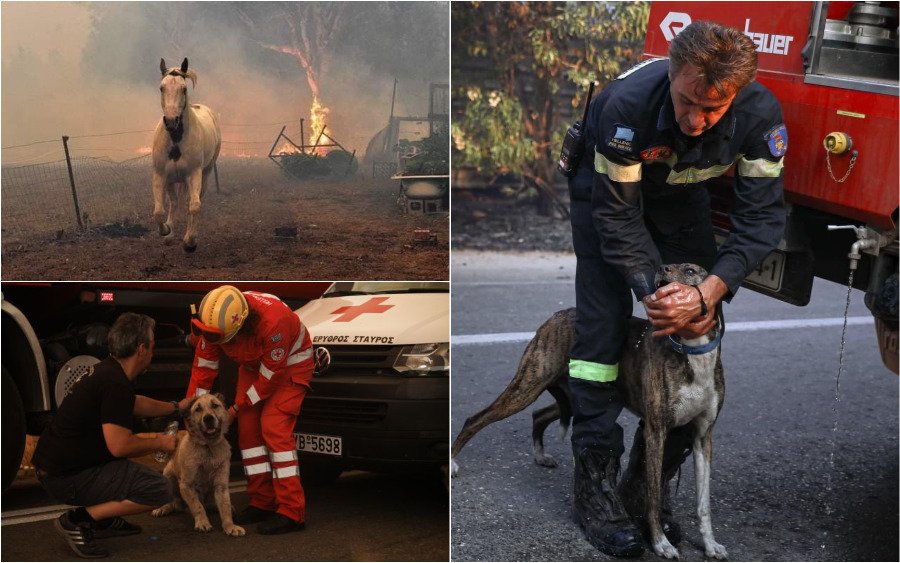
385, 422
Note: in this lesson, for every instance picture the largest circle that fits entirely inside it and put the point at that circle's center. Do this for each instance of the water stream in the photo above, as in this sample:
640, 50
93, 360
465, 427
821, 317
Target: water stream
834, 410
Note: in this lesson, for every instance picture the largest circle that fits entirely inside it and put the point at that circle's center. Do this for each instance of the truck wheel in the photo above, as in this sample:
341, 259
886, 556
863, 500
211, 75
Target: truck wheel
13, 429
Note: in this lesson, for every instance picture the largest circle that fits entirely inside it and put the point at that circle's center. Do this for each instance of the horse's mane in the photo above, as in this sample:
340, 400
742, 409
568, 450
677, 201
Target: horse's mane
176, 71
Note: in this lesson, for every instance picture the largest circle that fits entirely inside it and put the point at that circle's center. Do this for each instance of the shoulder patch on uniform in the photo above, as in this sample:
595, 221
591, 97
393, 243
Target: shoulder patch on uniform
777, 140
622, 139
277, 354
658, 152
637, 67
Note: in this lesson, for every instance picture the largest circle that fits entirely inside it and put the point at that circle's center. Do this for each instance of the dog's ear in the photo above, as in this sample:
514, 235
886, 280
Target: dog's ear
187, 410
220, 396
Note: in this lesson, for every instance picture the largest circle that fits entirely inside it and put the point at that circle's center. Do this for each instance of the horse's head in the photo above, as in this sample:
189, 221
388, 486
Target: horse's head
173, 90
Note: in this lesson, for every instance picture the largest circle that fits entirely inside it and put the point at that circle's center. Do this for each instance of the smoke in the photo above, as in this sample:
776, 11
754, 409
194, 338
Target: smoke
79, 69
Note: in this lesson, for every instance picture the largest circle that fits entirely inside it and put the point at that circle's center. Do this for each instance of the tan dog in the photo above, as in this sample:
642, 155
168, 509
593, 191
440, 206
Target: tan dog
199, 468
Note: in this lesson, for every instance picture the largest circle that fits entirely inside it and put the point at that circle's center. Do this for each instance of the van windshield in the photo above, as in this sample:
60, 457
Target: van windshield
372, 288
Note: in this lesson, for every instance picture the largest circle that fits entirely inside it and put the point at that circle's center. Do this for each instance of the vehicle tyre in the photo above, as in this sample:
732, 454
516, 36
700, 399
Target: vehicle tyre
13, 429
319, 473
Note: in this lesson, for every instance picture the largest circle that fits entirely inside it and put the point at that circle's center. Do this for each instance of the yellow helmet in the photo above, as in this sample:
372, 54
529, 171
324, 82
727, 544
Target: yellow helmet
222, 313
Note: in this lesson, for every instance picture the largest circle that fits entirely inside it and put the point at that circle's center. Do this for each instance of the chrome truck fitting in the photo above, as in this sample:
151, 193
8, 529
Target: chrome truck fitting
866, 239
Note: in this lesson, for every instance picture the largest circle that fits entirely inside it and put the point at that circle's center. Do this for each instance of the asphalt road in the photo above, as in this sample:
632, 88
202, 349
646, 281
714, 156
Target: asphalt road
362, 517
776, 495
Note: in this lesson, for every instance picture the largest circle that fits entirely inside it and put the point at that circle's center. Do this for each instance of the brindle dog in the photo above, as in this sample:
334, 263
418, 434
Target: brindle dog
668, 389
199, 468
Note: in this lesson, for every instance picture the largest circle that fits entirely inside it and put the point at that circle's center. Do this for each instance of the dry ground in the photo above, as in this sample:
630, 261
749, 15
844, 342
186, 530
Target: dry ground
346, 230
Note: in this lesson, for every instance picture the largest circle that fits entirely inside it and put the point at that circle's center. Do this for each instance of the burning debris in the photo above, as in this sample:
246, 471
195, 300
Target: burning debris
323, 158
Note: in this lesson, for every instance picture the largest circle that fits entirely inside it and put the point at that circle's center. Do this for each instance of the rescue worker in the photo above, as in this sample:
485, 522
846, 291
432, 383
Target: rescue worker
274, 354
653, 137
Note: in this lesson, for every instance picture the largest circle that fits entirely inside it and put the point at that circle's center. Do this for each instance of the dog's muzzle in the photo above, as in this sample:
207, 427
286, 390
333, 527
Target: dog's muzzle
210, 425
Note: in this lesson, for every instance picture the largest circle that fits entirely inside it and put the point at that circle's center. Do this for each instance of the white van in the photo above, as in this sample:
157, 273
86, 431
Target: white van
380, 396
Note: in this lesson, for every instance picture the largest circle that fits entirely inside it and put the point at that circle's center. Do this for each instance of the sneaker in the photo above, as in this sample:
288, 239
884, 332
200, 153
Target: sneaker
80, 537
115, 527
279, 524
252, 515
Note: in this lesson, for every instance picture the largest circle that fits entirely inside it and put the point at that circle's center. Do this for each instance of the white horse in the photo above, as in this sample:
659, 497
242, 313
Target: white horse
185, 147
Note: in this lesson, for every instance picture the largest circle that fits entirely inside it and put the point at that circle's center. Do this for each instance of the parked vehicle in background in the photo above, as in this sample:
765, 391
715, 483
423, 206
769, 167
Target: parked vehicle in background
380, 395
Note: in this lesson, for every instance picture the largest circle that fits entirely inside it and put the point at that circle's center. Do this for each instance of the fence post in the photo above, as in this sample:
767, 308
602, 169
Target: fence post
65, 141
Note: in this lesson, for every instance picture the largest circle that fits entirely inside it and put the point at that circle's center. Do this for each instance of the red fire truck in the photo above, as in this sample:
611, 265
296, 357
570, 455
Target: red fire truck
834, 68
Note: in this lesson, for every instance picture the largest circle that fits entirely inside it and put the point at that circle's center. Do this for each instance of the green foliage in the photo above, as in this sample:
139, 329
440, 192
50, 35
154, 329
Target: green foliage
533, 52
433, 157
490, 137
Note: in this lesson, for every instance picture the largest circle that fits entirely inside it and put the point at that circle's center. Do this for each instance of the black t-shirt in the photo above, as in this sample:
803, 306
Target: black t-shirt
74, 440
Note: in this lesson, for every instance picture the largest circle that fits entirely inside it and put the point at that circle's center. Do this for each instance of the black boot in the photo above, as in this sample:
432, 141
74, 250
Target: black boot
633, 489
597, 508
252, 515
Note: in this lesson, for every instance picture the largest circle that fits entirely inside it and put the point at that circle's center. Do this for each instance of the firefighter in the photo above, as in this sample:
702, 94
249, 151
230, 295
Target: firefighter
274, 354
653, 137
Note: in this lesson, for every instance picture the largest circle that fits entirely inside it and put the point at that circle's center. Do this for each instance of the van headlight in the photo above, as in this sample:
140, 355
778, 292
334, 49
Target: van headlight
424, 359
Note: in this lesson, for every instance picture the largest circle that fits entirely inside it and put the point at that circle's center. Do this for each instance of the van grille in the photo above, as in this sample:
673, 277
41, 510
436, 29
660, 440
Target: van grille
331, 411
372, 360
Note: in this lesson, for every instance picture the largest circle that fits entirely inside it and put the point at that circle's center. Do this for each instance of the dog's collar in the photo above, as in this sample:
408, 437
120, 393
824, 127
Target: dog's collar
703, 348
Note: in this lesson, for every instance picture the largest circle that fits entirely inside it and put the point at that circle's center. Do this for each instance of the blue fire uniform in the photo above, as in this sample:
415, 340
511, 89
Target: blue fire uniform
639, 199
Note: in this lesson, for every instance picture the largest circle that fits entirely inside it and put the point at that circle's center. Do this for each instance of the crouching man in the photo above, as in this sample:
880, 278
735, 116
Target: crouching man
81, 458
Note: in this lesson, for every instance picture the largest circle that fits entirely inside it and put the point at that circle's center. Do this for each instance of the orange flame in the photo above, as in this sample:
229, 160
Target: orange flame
317, 115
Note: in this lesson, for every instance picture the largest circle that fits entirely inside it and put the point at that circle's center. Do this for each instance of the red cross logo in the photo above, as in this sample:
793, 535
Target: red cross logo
373, 305
235, 317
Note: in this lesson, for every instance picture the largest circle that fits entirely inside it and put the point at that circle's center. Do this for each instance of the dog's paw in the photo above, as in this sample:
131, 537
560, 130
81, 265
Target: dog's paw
665, 549
202, 526
234, 530
545, 460
162, 511
716, 550
454, 468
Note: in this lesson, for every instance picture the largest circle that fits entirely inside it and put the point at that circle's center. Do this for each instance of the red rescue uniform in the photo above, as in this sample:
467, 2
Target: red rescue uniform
276, 364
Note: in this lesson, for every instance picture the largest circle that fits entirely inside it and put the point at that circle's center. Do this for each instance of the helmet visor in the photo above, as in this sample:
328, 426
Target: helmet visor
210, 334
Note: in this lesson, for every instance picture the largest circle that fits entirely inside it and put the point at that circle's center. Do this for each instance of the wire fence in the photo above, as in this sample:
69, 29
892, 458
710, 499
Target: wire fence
110, 179
38, 199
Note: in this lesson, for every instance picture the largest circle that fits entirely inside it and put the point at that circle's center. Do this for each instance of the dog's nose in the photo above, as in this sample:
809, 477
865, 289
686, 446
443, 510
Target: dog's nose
209, 419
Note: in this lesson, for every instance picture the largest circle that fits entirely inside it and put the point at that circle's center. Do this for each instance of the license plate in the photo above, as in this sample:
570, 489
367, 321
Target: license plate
769, 273
319, 444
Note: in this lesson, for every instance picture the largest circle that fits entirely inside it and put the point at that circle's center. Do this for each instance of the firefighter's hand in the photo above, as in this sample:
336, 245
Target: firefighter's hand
699, 326
672, 307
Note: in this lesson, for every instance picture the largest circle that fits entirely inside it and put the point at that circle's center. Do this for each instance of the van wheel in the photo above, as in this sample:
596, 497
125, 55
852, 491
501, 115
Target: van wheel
13, 429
